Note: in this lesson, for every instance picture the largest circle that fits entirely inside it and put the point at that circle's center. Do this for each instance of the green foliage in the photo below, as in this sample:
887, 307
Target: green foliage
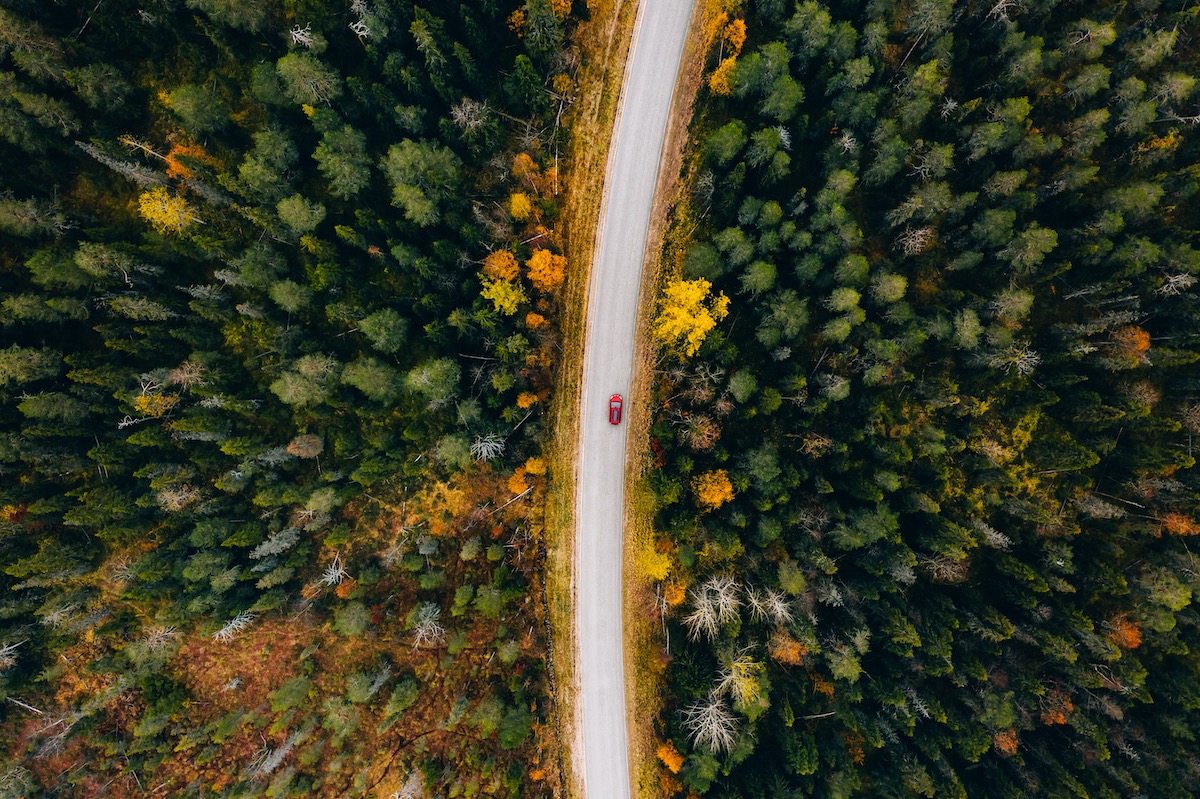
961, 470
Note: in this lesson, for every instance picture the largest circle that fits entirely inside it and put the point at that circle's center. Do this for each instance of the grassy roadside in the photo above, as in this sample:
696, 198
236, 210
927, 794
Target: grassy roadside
645, 656
603, 43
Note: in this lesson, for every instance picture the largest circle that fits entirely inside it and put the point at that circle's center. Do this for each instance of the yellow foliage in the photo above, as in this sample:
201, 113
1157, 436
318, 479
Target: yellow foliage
501, 265
670, 756
155, 405
714, 26
735, 35
520, 206
534, 321
560, 8
505, 295
165, 212
713, 489
526, 399
536, 466
561, 84
546, 270
308, 110
718, 81
10, 513
652, 564
688, 313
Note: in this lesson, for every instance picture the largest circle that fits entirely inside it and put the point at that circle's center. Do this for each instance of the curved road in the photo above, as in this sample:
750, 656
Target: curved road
633, 165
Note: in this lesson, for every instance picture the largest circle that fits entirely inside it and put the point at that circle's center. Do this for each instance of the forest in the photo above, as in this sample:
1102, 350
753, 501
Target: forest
926, 402
278, 291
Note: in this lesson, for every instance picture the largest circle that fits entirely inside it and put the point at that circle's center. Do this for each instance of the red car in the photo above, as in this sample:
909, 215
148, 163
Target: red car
614, 409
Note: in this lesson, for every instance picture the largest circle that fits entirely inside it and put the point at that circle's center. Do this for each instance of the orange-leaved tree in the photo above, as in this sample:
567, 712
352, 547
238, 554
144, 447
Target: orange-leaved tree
713, 489
501, 265
546, 270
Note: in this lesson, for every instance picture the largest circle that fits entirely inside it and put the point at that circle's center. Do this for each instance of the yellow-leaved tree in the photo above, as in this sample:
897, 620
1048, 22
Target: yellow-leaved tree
718, 81
713, 489
520, 206
165, 212
505, 295
687, 312
546, 270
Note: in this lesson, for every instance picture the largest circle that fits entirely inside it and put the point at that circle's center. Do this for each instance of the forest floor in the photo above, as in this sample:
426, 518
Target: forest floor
602, 44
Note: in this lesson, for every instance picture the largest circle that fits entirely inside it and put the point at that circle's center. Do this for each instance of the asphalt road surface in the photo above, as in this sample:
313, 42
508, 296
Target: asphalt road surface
633, 166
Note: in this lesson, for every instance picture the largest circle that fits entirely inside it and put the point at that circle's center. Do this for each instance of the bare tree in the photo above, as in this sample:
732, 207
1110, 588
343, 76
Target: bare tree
427, 629
778, 607
724, 591
234, 626
335, 572
8, 655
710, 724
702, 621
758, 608
486, 448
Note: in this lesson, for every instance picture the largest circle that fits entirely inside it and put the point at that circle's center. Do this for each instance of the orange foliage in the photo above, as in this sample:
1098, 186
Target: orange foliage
735, 35
1005, 742
668, 784
1179, 524
714, 26
516, 22
718, 81
516, 483
176, 169
713, 489
501, 265
346, 587
674, 593
546, 270
822, 685
526, 399
524, 167
1056, 708
1124, 632
670, 756
787, 650
560, 8
1131, 343
854, 745
535, 321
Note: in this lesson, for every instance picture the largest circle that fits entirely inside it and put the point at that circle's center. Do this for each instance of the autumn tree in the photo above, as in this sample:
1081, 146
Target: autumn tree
687, 312
546, 270
713, 489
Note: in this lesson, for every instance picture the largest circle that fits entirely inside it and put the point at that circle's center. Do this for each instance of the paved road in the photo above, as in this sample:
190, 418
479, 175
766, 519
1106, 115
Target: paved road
633, 166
